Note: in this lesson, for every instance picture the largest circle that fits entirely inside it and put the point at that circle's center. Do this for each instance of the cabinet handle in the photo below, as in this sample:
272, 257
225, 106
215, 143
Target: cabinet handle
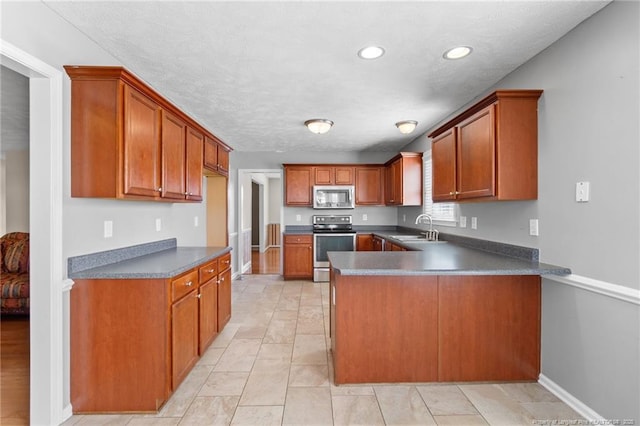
211, 270
189, 283
160, 189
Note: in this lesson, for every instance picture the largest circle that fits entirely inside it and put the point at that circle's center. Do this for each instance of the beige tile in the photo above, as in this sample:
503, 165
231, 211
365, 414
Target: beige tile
239, 356
217, 410
267, 383
352, 390
309, 375
251, 332
466, 420
281, 351
223, 339
263, 416
446, 400
356, 410
177, 405
552, 411
309, 349
528, 392
154, 421
495, 406
72, 420
211, 356
280, 331
104, 419
402, 405
308, 406
285, 315
310, 320
226, 383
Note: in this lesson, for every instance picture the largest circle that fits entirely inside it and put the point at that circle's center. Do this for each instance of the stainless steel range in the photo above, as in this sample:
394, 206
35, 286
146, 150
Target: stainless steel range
330, 233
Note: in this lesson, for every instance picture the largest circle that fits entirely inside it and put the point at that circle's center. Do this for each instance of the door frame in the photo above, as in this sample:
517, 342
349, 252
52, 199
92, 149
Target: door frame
49, 343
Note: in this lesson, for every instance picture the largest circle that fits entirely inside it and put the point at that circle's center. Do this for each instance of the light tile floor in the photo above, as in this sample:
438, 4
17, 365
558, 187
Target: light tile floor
272, 365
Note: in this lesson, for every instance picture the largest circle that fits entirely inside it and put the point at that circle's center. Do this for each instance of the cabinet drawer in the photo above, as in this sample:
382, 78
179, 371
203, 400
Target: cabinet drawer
224, 262
184, 284
298, 239
208, 271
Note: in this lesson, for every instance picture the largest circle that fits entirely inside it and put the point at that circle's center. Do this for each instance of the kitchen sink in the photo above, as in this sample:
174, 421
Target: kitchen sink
417, 238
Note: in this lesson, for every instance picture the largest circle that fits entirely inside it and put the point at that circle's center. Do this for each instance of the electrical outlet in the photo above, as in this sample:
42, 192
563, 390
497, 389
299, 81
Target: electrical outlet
158, 224
533, 227
195, 221
364, 217
298, 218
463, 221
582, 192
108, 228
404, 217
474, 223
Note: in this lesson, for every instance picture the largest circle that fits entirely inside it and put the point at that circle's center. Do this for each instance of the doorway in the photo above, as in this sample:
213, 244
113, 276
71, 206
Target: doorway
259, 221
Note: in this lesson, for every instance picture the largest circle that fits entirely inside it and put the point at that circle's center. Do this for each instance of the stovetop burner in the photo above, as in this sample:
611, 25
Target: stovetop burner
332, 224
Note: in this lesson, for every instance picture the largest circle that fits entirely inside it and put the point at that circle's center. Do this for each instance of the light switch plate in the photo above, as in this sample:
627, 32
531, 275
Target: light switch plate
582, 192
533, 227
196, 221
158, 224
463, 221
108, 228
474, 223
364, 217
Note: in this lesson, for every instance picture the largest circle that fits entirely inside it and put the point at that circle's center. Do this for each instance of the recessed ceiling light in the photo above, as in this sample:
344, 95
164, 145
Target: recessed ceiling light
457, 52
371, 52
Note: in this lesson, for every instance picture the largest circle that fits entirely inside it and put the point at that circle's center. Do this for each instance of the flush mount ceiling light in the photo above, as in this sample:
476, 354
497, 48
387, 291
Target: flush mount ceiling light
319, 125
406, 126
457, 52
371, 52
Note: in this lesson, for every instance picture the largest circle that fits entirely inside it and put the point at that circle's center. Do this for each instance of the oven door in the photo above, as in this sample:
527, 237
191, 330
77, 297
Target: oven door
326, 242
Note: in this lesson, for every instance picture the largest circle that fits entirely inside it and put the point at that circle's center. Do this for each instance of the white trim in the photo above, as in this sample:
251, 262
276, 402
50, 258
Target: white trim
47, 343
573, 402
615, 291
67, 284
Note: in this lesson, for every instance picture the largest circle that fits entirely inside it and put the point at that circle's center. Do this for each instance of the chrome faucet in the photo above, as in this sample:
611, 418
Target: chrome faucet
431, 234
422, 216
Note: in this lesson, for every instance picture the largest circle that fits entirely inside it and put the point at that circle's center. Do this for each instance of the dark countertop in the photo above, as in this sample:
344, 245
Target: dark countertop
457, 256
143, 261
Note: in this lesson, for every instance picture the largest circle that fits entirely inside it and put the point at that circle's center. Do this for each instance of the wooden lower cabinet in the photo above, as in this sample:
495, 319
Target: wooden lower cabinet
184, 336
435, 328
298, 256
133, 341
364, 242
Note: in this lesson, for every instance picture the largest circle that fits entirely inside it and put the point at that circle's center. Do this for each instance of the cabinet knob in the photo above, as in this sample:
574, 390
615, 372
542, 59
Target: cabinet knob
186, 193
198, 295
160, 189
189, 283
211, 271
221, 279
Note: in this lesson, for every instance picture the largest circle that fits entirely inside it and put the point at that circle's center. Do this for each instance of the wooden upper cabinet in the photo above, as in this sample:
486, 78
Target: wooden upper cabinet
216, 156
369, 185
333, 175
141, 144
194, 164
298, 183
174, 132
491, 149
403, 179
127, 141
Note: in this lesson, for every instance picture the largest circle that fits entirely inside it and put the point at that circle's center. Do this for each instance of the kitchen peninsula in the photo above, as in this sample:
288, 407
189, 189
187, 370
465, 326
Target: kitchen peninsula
442, 312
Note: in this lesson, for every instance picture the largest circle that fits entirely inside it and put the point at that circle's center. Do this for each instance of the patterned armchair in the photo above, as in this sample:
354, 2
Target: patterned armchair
14, 275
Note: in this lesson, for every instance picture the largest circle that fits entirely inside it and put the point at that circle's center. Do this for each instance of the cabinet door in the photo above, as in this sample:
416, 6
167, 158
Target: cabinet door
141, 155
343, 175
210, 154
443, 160
173, 156
298, 256
369, 186
184, 337
208, 313
223, 161
323, 175
476, 156
393, 184
298, 184
194, 164
378, 243
224, 298
364, 242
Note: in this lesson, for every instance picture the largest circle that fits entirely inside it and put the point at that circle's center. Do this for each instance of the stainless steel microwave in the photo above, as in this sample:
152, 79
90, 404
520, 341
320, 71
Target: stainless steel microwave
333, 197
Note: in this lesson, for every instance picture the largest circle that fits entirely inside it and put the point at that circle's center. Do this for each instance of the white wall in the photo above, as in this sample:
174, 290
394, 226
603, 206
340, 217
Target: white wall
588, 131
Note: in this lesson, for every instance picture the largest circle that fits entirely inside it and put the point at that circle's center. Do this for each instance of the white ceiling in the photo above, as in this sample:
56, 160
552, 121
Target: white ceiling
253, 72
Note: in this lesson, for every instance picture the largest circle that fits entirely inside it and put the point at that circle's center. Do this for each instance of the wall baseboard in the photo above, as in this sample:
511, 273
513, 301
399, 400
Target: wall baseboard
573, 402
615, 291
67, 412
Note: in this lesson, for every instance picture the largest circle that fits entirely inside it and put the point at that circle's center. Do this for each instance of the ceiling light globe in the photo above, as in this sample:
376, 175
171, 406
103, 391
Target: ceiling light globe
457, 52
371, 52
406, 126
319, 125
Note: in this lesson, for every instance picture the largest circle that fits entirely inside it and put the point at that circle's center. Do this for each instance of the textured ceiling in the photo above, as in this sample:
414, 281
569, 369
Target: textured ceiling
253, 72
